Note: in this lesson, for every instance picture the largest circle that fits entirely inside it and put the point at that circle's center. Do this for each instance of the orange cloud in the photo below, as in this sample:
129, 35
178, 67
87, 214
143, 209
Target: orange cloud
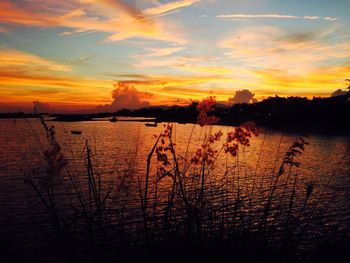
18, 68
120, 20
266, 82
26, 77
22, 86
12, 14
11, 59
168, 89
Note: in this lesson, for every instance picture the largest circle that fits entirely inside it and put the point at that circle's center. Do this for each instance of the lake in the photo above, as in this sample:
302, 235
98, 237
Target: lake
124, 146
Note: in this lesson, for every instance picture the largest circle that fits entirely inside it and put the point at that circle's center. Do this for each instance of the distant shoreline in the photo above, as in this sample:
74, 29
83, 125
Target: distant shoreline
293, 114
319, 130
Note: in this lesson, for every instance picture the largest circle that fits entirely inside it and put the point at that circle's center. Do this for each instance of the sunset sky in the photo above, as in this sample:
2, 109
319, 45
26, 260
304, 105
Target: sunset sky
79, 54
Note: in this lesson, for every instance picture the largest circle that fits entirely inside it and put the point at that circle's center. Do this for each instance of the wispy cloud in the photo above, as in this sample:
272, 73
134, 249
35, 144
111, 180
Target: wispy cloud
272, 47
257, 16
156, 16
27, 77
278, 16
207, 69
311, 17
168, 89
15, 60
77, 33
169, 62
120, 20
24, 87
329, 18
187, 64
164, 8
160, 52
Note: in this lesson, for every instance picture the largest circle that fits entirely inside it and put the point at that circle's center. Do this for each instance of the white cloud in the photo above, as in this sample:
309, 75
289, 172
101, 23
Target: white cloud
329, 18
257, 16
164, 8
311, 17
125, 96
160, 52
278, 16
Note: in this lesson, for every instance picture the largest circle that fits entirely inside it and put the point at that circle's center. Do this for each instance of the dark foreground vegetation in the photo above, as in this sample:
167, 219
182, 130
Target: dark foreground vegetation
180, 210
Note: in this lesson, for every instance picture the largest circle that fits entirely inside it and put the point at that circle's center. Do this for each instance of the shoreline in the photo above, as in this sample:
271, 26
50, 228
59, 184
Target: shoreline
325, 130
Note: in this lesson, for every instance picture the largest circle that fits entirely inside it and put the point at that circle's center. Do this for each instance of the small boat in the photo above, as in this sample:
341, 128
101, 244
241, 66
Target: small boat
151, 124
114, 119
76, 132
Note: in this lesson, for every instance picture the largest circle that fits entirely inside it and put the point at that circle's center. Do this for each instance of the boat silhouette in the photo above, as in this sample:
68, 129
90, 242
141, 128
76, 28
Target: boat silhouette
114, 119
76, 132
151, 124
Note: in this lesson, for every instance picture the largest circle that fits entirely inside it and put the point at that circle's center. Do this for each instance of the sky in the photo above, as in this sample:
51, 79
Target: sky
76, 55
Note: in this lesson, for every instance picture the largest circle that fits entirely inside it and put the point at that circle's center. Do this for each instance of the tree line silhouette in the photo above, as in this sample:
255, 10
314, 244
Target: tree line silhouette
291, 113
323, 114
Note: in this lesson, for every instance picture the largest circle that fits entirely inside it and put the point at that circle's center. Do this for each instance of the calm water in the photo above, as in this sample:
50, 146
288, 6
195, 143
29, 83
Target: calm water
324, 162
